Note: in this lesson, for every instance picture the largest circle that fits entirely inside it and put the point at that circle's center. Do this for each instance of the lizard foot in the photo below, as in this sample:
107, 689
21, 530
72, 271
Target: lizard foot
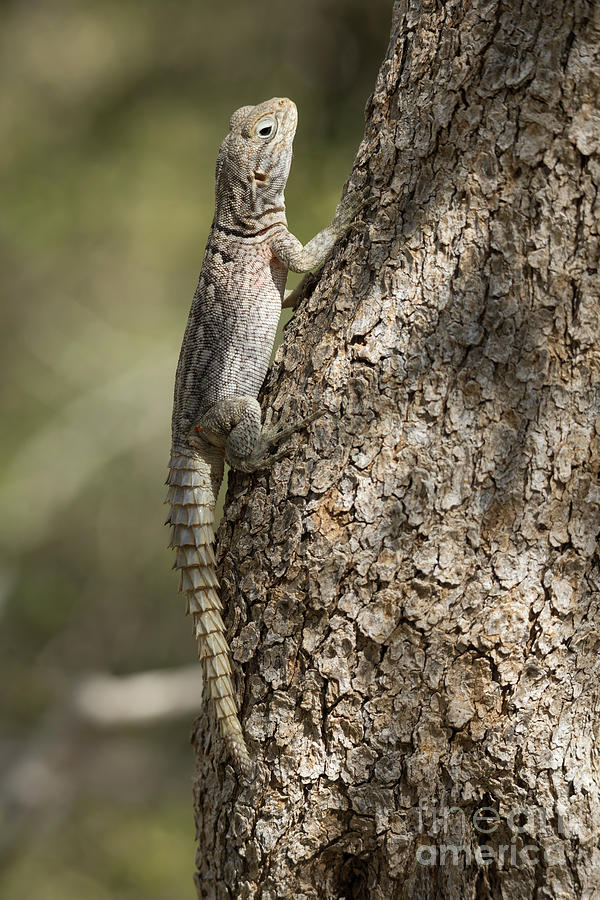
348, 208
270, 437
261, 458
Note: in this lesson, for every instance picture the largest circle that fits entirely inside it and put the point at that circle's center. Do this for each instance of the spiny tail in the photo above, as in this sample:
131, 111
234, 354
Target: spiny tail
193, 486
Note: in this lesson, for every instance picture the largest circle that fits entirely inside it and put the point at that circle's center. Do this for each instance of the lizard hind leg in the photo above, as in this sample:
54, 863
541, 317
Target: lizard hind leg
234, 425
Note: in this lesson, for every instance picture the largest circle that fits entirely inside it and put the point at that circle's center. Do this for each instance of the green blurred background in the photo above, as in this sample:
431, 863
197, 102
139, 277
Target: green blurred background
111, 113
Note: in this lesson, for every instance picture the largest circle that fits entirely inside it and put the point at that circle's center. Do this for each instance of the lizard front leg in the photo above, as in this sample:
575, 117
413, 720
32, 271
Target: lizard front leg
299, 258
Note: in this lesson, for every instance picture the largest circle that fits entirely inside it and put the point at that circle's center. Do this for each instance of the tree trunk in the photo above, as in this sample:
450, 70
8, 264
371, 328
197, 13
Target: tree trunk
414, 593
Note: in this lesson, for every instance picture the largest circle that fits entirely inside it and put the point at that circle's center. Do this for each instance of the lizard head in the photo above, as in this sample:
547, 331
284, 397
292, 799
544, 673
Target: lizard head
253, 165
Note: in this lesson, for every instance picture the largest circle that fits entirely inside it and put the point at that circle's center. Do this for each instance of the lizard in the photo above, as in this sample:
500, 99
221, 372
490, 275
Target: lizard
223, 361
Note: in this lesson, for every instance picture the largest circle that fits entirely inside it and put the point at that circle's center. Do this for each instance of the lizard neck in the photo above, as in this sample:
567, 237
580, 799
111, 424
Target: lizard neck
249, 195
246, 212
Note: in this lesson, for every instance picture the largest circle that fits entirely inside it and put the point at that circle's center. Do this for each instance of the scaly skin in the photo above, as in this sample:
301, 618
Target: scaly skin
224, 358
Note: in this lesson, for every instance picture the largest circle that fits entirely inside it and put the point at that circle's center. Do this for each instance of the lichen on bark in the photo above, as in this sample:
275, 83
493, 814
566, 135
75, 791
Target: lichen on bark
413, 593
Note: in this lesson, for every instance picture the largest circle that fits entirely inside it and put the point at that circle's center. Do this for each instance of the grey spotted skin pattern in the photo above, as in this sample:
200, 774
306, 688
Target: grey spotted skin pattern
224, 358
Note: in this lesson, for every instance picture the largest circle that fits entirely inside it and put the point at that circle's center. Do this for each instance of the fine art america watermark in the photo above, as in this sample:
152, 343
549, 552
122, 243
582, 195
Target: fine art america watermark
521, 837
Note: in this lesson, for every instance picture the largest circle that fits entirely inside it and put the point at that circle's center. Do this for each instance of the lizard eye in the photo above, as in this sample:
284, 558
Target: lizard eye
266, 127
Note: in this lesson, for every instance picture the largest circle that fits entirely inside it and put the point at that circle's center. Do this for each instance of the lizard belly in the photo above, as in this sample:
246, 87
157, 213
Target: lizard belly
231, 329
247, 301
245, 362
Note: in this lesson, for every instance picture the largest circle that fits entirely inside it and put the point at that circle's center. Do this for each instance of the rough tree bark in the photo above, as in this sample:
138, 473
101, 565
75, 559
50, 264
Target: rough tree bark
414, 593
